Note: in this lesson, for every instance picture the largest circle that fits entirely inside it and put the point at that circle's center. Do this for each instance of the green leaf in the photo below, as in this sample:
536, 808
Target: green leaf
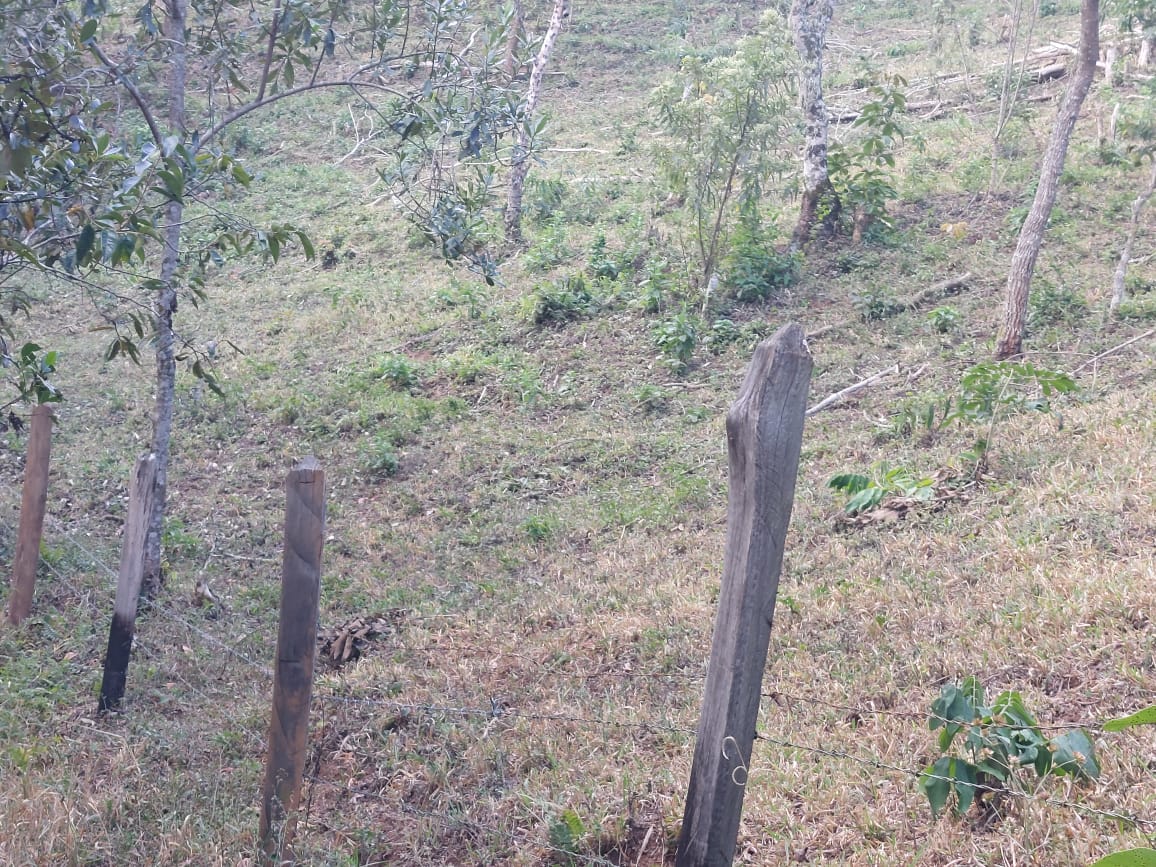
89, 29
1129, 858
849, 483
864, 500
935, 782
85, 243
965, 781
306, 245
1075, 755
1145, 717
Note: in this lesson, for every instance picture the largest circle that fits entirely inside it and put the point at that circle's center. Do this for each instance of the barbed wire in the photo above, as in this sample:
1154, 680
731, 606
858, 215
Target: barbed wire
499, 709
149, 604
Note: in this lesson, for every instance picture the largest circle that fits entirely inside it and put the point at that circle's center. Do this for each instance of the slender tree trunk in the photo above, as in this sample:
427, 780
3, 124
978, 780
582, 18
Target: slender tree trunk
1145, 51
1119, 294
517, 22
1023, 261
809, 22
166, 308
520, 165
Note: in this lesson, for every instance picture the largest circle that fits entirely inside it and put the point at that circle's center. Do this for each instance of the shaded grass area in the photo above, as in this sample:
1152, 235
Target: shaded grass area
538, 511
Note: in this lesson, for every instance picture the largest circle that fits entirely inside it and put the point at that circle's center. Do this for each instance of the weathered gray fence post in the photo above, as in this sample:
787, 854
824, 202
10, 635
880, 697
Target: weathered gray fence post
33, 504
296, 648
764, 437
120, 632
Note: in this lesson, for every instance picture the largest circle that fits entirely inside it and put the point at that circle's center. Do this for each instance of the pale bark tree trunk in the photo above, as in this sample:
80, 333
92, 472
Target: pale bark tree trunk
517, 22
1145, 51
520, 164
1023, 261
166, 307
809, 22
1119, 294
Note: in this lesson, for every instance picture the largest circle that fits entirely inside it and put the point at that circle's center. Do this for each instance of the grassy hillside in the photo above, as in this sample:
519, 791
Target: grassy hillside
534, 513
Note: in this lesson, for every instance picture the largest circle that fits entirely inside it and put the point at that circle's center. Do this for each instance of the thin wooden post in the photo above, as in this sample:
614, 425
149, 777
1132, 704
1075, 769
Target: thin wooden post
132, 551
33, 503
296, 647
764, 436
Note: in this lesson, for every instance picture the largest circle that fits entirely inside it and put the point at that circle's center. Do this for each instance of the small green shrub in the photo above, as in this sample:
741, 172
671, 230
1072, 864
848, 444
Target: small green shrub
566, 833
539, 528
754, 268
1054, 305
550, 249
876, 302
865, 492
944, 319
400, 372
677, 337
379, 456
655, 287
723, 332
471, 297
1142, 309
561, 301
544, 198
1000, 745
603, 263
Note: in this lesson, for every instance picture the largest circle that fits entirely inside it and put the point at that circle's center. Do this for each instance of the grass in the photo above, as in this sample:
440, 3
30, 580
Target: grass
540, 511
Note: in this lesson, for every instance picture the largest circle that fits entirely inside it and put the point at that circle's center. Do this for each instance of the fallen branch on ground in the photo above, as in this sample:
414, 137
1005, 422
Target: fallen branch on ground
1115, 349
942, 288
850, 390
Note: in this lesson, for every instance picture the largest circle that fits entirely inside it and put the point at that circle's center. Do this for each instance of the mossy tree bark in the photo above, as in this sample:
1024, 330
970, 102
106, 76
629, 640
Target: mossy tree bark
809, 22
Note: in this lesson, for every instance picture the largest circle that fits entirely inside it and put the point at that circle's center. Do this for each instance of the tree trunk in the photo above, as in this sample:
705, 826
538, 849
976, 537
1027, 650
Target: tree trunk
809, 22
1145, 52
1023, 261
166, 308
517, 22
1119, 294
520, 165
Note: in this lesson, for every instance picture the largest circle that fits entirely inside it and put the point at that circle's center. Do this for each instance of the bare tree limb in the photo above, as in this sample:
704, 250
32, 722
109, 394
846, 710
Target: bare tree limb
832, 399
1115, 349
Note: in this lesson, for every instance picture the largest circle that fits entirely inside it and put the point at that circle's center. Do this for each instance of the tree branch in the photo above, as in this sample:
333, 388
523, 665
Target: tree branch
239, 113
132, 89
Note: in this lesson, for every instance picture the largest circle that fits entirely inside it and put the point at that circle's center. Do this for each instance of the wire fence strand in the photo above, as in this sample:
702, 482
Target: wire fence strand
500, 709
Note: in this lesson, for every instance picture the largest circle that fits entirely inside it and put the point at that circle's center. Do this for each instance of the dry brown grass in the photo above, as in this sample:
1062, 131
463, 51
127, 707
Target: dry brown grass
547, 557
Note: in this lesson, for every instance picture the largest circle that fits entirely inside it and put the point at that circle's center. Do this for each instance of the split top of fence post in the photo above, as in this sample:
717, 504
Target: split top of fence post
296, 648
142, 492
764, 439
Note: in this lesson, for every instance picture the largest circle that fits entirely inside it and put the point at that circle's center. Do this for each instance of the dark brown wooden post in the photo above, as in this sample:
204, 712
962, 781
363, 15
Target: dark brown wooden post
764, 436
296, 647
132, 551
33, 503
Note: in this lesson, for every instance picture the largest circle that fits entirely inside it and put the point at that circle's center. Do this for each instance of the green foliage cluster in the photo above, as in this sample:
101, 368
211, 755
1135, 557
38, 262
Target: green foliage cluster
944, 319
754, 269
861, 171
865, 492
730, 122
29, 374
676, 337
561, 301
1051, 305
998, 745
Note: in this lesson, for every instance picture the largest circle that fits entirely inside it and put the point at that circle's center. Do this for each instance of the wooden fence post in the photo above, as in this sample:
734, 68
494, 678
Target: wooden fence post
764, 438
33, 503
132, 551
296, 648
